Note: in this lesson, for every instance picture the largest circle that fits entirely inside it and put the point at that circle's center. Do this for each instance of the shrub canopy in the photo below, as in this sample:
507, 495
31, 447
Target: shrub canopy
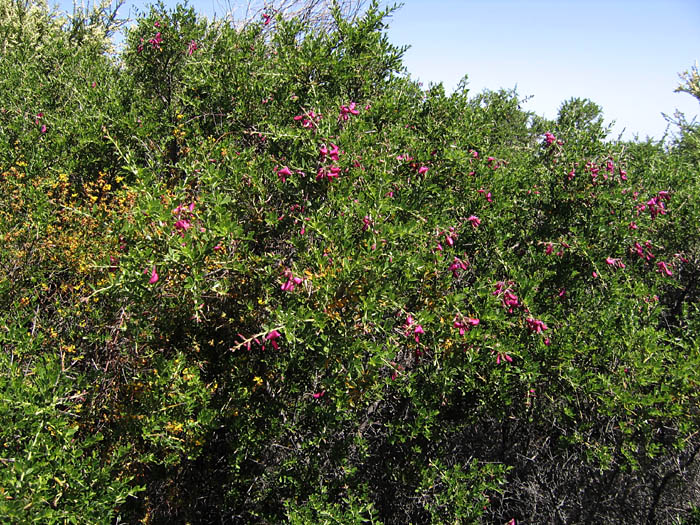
257, 274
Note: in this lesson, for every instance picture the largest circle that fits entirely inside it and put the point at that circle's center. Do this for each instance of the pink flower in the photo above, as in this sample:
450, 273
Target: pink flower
536, 325
549, 248
422, 170
308, 120
43, 128
333, 152
503, 355
266, 18
474, 220
457, 264
291, 282
154, 276
192, 47
663, 268
417, 331
283, 173
366, 223
317, 395
549, 138
465, 324
156, 41
346, 111
614, 262
272, 337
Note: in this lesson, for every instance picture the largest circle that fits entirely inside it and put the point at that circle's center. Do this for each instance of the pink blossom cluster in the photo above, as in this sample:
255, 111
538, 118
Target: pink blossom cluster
271, 336
346, 111
464, 324
184, 215
551, 139
644, 252
291, 281
411, 327
655, 205
615, 263
486, 194
508, 298
663, 268
331, 171
458, 264
309, 120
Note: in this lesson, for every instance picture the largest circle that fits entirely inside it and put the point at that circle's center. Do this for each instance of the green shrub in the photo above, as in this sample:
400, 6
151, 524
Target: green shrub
284, 282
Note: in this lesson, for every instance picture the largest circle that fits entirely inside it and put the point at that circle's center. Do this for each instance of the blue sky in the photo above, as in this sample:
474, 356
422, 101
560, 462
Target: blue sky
625, 55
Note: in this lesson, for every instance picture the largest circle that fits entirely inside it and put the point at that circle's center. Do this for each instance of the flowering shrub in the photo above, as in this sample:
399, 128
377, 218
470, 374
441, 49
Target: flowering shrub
283, 282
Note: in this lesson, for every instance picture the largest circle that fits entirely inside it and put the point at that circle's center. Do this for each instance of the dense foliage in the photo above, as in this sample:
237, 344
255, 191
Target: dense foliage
259, 275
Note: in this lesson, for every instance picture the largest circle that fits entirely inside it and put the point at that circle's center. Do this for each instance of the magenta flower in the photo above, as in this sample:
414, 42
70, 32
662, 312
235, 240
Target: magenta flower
272, 337
614, 262
474, 220
536, 325
510, 301
291, 282
346, 111
418, 330
457, 264
154, 275
663, 268
308, 120
333, 152
549, 138
43, 128
318, 395
182, 225
283, 173
328, 173
266, 19
465, 324
156, 40
504, 356
422, 170
192, 47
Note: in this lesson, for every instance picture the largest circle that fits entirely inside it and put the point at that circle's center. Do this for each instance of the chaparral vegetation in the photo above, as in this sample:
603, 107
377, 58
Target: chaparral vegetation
255, 273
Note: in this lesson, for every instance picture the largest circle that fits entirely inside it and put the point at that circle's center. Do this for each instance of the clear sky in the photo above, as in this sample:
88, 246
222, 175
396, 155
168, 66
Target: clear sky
625, 55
